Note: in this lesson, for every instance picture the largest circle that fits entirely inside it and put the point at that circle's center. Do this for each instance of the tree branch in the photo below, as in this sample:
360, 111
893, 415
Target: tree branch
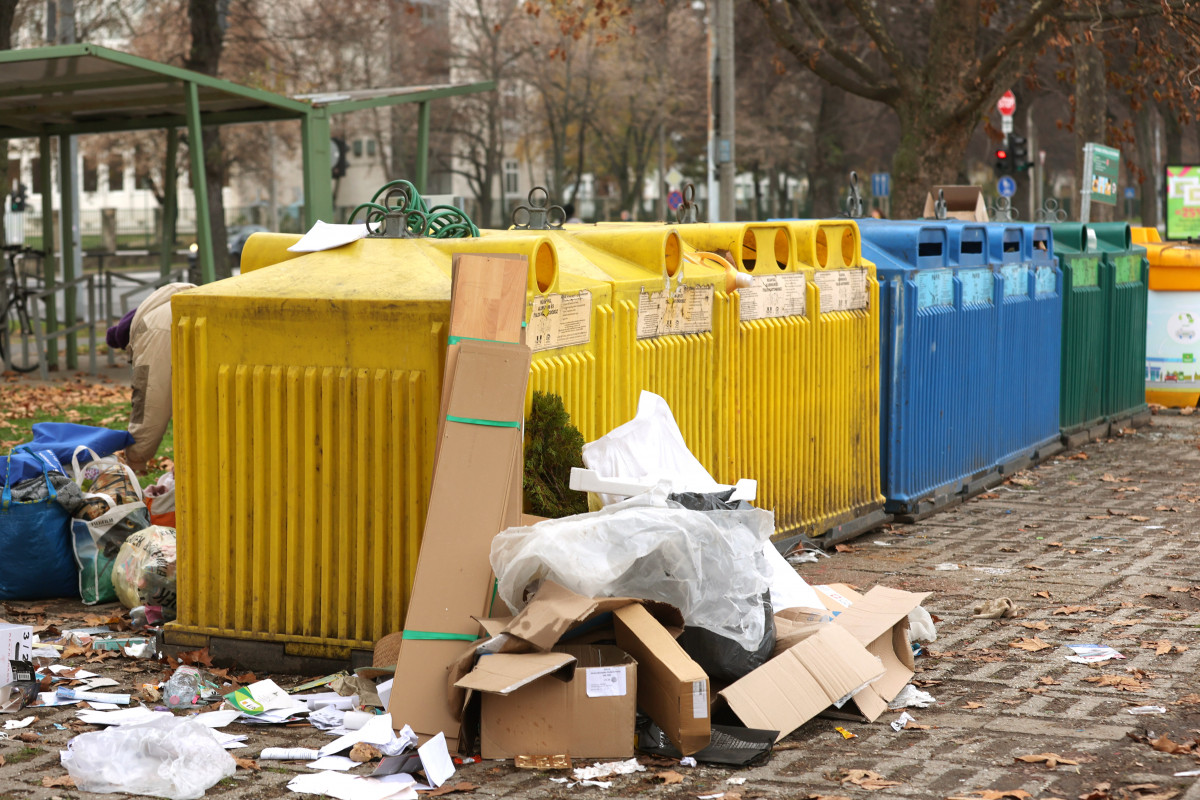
840, 54
870, 22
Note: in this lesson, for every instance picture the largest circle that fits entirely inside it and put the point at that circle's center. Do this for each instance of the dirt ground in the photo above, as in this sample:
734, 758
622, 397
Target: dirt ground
1096, 546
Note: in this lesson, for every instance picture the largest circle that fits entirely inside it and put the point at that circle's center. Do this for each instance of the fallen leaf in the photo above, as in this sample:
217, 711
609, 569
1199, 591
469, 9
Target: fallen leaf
1188, 700
1163, 744
988, 496
913, 726
1160, 648
246, 763
994, 794
1042, 594
1075, 610
867, 779
669, 776
845, 548
1035, 567
1079, 457
1121, 682
447, 788
972, 704
825, 796
1096, 516
1046, 680
1037, 625
72, 650
363, 752
1139, 519
62, 780
1032, 645
1054, 544
28, 736
1180, 589
1036, 690
1051, 760
1125, 623
1166, 508
1153, 594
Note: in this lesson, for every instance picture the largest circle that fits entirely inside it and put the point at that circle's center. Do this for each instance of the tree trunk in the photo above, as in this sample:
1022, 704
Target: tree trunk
1146, 131
8, 10
1172, 135
1091, 106
207, 18
930, 154
827, 168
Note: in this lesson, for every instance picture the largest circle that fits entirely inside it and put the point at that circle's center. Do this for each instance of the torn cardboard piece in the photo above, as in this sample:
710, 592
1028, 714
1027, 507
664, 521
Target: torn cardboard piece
962, 202
879, 621
822, 670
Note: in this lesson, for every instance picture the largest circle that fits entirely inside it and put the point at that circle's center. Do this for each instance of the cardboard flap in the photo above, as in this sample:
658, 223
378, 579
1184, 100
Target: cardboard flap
504, 673
554, 610
797, 685
837, 596
962, 202
489, 381
877, 612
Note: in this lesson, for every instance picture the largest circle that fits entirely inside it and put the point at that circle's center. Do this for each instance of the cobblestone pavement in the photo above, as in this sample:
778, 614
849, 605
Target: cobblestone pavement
1096, 546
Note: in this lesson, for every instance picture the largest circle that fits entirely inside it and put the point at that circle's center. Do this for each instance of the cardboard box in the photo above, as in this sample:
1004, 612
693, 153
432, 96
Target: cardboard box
647, 634
16, 644
795, 686
962, 202
879, 621
584, 706
672, 688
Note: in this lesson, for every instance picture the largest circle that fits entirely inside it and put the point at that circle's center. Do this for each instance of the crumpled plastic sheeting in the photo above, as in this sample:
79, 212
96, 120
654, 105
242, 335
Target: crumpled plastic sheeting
710, 565
172, 757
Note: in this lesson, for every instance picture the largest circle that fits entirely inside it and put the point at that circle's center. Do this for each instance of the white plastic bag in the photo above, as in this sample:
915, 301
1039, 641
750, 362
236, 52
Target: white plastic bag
710, 565
172, 757
648, 446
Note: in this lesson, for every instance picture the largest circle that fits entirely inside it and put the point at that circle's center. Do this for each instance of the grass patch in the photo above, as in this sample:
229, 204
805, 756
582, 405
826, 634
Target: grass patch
227, 782
24, 754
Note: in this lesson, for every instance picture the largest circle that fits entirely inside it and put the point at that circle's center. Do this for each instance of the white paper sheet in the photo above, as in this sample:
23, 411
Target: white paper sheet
788, 589
217, 719
14, 724
435, 759
340, 763
327, 236
377, 732
384, 690
350, 787
123, 716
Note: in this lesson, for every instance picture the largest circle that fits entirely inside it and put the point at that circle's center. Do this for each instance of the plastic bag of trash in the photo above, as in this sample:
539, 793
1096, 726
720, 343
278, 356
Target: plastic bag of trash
172, 757
709, 565
648, 446
144, 572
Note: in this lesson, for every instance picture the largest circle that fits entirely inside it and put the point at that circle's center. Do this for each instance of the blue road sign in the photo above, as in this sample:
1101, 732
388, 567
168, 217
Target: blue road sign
1130, 193
881, 184
675, 200
1006, 186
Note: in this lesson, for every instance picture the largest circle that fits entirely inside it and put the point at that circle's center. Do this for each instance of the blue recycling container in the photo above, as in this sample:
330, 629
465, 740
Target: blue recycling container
1030, 344
938, 343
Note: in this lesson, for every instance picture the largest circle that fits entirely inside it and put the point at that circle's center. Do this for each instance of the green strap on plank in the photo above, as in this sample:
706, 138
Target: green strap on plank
433, 635
494, 423
456, 339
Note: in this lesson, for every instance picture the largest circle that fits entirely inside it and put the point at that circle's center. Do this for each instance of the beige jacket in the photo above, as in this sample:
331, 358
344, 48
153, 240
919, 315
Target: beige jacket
150, 354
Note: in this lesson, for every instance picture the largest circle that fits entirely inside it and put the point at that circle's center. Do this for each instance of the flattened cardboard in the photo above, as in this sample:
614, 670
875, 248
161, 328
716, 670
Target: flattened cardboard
794, 687
879, 620
470, 503
672, 688
551, 716
504, 673
962, 202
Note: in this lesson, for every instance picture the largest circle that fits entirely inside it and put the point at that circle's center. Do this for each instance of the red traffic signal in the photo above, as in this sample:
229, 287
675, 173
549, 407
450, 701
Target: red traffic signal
1001, 155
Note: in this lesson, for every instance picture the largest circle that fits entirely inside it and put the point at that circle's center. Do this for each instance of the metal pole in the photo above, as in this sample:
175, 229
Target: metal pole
67, 230
170, 204
714, 201
199, 184
314, 146
726, 149
1085, 190
422, 181
49, 270
663, 188
1034, 170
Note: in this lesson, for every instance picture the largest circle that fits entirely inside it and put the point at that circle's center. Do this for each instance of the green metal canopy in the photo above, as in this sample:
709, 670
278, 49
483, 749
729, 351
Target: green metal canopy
75, 89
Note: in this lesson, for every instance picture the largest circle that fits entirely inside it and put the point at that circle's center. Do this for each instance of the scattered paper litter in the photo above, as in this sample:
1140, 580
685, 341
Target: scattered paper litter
99, 683
384, 690
123, 716
912, 697
899, 723
687, 761
326, 236
77, 674
316, 702
377, 732
1146, 710
1191, 773
52, 699
735, 781
229, 741
350, 787
435, 758
288, 754
103, 706
603, 770
992, 570
329, 719
1092, 653
67, 693
217, 719
947, 567
13, 724
802, 557
340, 763
710, 796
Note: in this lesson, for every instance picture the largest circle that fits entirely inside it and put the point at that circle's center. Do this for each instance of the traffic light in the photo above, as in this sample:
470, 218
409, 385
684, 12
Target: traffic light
1018, 152
19, 198
1004, 159
337, 156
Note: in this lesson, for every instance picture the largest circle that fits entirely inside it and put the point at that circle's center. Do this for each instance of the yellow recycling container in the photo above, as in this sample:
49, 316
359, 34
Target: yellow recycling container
264, 249
305, 404
1172, 320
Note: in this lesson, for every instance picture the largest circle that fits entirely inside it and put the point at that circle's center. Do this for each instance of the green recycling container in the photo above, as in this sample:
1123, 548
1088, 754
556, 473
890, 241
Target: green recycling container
1127, 275
1084, 334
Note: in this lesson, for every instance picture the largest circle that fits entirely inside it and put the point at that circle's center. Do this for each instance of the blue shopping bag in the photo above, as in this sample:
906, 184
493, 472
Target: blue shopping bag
35, 545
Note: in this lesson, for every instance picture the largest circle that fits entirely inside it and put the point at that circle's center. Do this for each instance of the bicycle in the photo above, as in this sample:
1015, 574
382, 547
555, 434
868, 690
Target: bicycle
15, 319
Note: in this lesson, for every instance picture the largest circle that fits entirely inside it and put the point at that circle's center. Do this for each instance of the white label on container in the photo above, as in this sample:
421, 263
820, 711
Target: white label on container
1016, 279
559, 320
1045, 281
605, 681
688, 309
935, 287
833, 594
977, 285
700, 699
842, 289
774, 296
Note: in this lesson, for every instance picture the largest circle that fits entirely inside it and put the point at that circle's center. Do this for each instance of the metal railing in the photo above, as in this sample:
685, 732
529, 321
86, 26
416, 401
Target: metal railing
110, 315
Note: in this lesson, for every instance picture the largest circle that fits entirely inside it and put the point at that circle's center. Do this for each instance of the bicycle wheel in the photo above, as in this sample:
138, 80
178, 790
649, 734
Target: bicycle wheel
23, 353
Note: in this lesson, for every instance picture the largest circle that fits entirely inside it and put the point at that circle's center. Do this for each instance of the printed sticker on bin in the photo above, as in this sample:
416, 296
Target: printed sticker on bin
605, 681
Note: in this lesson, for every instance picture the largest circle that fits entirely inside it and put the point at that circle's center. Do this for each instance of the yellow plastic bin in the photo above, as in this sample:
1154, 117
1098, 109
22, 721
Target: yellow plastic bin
305, 403
1172, 320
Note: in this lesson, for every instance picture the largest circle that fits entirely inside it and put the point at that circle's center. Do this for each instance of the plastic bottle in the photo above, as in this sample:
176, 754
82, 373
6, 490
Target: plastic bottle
183, 688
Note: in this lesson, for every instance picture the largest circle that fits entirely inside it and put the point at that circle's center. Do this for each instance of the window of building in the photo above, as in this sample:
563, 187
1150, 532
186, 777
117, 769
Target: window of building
511, 176
116, 174
141, 177
91, 175
370, 147
358, 148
